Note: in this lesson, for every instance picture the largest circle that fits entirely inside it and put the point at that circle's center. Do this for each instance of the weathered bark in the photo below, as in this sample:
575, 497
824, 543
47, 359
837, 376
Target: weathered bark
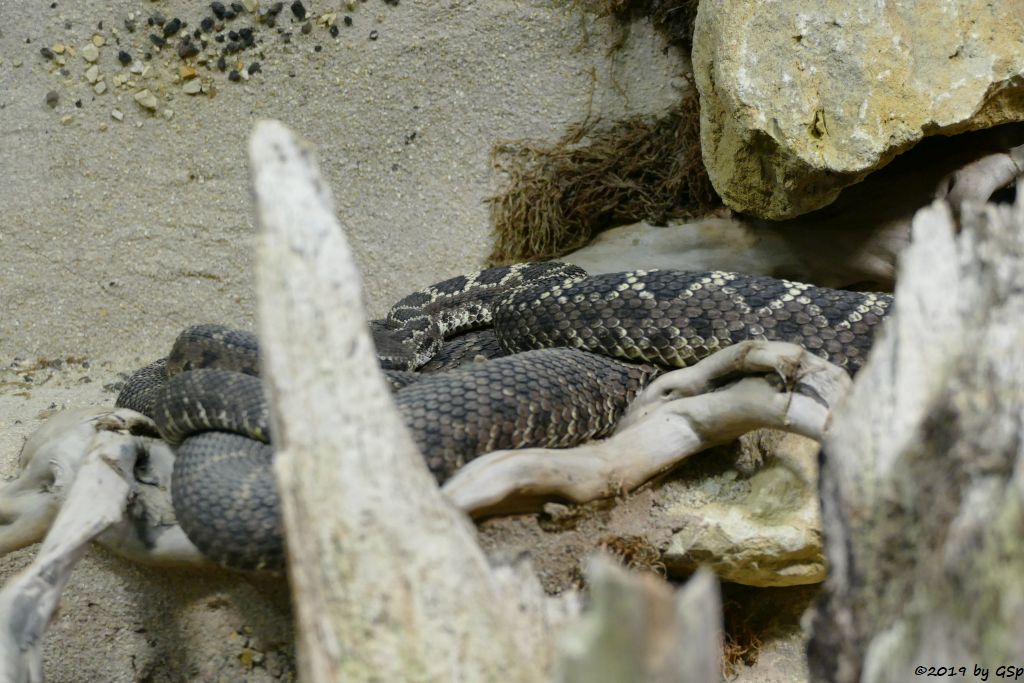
978, 180
636, 630
389, 581
96, 500
922, 500
680, 414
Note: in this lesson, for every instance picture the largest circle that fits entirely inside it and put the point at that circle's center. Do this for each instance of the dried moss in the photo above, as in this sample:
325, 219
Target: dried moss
559, 195
674, 18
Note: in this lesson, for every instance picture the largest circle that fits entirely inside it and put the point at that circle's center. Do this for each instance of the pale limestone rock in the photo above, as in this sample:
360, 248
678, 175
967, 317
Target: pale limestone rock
799, 100
759, 527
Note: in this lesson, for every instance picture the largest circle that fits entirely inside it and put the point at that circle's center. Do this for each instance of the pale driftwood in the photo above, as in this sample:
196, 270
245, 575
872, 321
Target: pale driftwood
96, 500
637, 630
979, 180
389, 581
49, 465
922, 502
680, 414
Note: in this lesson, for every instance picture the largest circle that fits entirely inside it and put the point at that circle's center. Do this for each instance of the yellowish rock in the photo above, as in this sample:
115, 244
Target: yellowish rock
58, 48
187, 72
92, 74
801, 99
98, 40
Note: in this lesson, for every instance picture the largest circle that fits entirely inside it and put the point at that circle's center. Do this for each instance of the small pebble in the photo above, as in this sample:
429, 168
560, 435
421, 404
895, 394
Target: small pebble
219, 37
98, 40
100, 88
192, 87
66, 119
374, 35
78, 104
129, 25
90, 52
234, 76
229, 14
187, 49
172, 27
348, 20
251, 5
334, 31
59, 48
157, 40
218, 9
146, 99
92, 74
255, 68
124, 58
299, 10
52, 98
307, 28
237, 7
46, 52
168, 114
317, 48
206, 24
222, 63
275, 9
157, 19
186, 72
117, 115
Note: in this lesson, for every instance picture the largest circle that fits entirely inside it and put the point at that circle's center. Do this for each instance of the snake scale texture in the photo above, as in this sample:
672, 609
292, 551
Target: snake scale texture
531, 355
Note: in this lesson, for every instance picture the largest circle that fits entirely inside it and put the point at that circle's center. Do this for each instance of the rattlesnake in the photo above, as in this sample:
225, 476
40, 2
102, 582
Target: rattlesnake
581, 349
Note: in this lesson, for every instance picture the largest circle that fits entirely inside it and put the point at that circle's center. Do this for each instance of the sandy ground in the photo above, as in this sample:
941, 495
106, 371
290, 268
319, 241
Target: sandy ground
115, 234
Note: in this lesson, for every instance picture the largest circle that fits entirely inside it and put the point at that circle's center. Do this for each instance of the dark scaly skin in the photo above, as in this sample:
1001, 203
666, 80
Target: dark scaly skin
676, 318
453, 418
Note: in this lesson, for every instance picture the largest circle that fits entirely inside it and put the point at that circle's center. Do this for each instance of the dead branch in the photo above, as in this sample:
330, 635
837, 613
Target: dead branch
680, 414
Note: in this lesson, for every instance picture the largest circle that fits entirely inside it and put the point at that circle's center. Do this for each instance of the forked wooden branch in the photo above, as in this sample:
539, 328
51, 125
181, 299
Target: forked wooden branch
96, 501
680, 414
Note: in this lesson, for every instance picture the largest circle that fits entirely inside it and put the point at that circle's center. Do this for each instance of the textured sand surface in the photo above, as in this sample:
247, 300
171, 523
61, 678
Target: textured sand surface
116, 234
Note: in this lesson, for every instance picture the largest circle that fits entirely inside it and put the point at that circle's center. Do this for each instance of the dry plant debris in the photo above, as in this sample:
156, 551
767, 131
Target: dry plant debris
559, 195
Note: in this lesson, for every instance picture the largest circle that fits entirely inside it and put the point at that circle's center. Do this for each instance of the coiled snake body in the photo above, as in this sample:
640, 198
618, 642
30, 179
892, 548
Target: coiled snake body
567, 353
